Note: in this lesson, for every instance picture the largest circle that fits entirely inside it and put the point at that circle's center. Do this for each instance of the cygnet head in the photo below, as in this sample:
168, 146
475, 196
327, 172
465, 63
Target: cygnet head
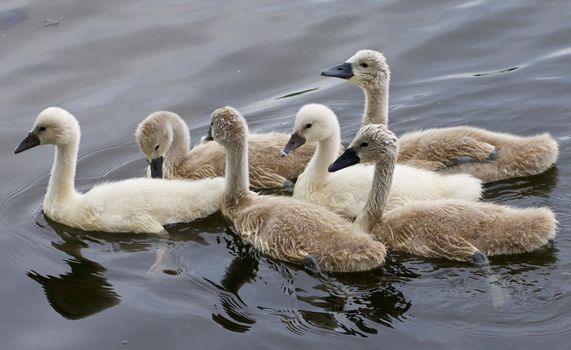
155, 136
54, 126
366, 69
228, 127
373, 143
313, 123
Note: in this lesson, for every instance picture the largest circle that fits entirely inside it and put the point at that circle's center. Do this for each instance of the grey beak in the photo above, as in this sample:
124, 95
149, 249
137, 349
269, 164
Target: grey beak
348, 158
295, 141
157, 168
30, 141
208, 136
343, 71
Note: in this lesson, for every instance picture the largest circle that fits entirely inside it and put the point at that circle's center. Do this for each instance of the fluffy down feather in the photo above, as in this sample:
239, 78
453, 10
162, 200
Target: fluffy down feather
487, 155
347, 190
447, 228
283, 227
134, 205
170, 133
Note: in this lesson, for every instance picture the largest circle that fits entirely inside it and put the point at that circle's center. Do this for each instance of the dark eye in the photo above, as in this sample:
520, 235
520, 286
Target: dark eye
42, 128
308, 125
364, 65
211, 123
364, 144
156, 147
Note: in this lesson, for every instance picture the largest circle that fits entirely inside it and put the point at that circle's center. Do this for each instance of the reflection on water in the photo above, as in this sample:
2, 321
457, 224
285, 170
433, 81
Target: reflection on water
243, 269
497, 65
351, 304
363, 310
357, 312
539, 186
359, 304
82, 292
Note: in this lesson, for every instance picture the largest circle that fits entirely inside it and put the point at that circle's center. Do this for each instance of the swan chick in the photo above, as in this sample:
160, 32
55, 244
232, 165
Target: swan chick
490, 156
135, 205
164, 139
346, 191
282, 227
447, 228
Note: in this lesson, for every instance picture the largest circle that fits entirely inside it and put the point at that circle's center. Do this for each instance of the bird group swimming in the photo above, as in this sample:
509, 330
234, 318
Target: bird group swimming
419, 194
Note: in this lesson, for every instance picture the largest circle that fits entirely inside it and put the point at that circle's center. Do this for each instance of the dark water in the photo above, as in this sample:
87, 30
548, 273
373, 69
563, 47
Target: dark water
502, 65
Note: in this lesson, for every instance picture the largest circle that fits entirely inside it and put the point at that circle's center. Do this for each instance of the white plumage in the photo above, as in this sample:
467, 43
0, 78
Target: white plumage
347, 190
134, 205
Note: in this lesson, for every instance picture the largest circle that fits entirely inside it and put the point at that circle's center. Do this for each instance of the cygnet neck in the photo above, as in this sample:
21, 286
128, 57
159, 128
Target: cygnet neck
326, 152
180, 141
61, 186
376, 103
237, 175
378, 197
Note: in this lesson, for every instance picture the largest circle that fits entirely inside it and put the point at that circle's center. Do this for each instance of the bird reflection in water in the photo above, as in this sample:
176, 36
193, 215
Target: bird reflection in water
242, 269
82, 292
357, 303
350, 304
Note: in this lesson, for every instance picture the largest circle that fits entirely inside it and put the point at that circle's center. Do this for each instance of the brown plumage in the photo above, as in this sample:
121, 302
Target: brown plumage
170, 133
489, 156
456, 230
282, 227
444, 149
448, 228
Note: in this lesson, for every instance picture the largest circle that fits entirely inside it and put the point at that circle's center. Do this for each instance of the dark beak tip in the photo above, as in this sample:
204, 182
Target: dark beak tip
347, 159
294, 143
157, 168
209, 136
30, 141
343, 71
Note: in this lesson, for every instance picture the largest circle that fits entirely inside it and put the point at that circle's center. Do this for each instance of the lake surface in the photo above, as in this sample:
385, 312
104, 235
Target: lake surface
502, 65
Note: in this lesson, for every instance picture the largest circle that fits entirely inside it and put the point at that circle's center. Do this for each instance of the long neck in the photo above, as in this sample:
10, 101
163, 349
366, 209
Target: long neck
180, 141
373, 212
61, 185
325, 153
237, 181
376, 104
